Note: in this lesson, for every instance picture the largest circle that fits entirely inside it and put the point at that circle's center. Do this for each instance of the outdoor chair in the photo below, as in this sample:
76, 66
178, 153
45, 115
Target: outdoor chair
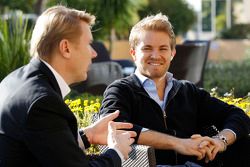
100, 75
189, 62
140, 156
103, 71
127, 65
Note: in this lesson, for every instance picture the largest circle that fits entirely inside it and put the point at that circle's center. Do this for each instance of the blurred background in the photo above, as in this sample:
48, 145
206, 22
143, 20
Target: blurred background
224, 23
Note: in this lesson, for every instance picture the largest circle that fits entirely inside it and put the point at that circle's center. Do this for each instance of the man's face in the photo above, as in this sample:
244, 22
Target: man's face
153, 54
82, 54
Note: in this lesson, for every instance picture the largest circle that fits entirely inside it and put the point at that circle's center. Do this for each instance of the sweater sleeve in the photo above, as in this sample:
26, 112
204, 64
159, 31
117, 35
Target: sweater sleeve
117, 97
222, 115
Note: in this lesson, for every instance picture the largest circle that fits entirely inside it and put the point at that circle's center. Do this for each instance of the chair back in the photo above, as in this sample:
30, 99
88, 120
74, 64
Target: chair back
102, 52
140, 156
189, 62
100, 75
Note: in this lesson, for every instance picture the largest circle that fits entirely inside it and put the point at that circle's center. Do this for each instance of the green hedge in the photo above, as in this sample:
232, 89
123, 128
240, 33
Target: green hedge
237, 31
228, 75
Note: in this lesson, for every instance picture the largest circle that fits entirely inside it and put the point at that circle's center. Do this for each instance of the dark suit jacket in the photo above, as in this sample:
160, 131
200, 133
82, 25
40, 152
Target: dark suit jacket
36, 126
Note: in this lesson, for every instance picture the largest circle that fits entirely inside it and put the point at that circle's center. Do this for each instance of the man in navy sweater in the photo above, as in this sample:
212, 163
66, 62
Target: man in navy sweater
171, 114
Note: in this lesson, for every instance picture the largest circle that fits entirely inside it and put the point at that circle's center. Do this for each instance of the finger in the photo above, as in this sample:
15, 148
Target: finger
123, 125
132, 133
203, 153
131, 141
195, 136
128, 137
111, 116
203, 144
198, 155
214, 152
208, 154
111, 126
209, 139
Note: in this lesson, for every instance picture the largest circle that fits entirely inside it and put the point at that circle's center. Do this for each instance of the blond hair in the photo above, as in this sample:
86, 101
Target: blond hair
157, 22
55, 24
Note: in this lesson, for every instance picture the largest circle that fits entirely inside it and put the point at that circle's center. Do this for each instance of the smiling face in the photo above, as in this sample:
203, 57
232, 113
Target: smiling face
153, 54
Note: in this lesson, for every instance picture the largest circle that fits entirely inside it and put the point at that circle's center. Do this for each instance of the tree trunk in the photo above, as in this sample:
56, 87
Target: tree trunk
112, 38
39, 6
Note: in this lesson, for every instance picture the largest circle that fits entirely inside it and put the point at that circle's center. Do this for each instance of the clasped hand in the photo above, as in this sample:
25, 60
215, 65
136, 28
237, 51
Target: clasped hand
202, 147
208, 147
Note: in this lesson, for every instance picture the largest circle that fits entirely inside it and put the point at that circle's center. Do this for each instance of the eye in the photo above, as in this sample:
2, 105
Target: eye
163, 49
146, 48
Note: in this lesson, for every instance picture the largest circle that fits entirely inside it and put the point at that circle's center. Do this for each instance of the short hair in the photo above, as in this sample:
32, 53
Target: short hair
55, 24
158, 22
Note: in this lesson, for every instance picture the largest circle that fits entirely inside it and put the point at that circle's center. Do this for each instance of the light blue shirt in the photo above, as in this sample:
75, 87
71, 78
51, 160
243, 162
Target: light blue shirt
150, 87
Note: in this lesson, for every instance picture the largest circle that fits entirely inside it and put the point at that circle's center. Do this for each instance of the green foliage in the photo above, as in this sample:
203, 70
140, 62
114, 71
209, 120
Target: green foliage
180, 14
24, 5
228, 75
14, 43
237, 31
118, 15
220, 22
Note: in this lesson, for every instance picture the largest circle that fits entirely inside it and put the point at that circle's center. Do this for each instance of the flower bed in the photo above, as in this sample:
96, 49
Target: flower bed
85, 108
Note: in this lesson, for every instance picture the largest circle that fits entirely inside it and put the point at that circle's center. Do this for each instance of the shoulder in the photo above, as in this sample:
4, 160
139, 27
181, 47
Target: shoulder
189, 88
127, 84
184, 85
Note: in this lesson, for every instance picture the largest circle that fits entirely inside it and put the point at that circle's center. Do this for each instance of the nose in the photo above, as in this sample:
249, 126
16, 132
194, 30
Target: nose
155, 53
94, 54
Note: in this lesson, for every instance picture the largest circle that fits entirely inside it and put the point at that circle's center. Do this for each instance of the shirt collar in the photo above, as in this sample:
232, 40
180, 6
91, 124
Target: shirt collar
65, 89
143, 78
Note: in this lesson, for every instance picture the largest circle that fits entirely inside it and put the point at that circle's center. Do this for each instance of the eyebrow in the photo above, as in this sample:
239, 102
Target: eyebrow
161, 46
164, 46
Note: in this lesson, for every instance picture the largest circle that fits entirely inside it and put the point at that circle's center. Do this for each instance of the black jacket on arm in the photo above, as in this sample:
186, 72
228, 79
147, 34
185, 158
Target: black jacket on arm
36, 127
188, 111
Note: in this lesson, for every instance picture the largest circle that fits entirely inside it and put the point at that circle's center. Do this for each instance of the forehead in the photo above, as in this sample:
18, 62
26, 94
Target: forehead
85, 30
154, 38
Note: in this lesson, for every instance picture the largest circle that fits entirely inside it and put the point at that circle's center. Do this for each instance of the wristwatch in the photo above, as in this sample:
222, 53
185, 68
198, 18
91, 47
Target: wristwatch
223, 139
84, 139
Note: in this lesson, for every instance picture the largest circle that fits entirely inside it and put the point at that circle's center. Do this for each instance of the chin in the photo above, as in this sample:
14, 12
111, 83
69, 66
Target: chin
81, 78
85, 76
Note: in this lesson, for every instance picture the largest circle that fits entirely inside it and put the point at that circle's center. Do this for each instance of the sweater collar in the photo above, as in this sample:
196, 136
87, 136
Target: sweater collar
138, 87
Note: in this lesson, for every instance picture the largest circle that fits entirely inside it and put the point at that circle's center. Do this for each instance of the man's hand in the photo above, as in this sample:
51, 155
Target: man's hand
97, 133
211, 150
208, 148
195, 146
120, 140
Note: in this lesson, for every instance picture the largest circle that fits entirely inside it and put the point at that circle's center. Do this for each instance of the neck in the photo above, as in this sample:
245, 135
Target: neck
161, 84
58, 66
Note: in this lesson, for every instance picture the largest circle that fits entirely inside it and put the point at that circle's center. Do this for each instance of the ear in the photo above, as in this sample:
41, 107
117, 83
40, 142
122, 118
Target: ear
132, 53
64, 48
173, 54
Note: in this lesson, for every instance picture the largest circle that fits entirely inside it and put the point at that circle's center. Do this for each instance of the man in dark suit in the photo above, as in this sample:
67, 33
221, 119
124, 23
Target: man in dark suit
36, 126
